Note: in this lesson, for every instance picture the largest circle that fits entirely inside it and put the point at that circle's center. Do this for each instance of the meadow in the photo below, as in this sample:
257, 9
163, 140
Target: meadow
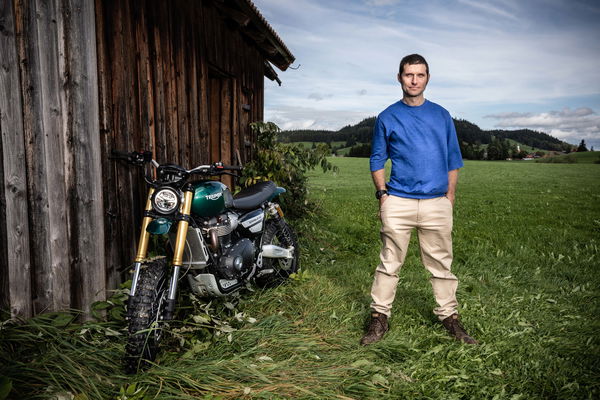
527, 255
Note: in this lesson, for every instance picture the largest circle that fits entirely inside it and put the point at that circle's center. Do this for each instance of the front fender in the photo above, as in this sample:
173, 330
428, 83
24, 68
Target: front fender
159, 226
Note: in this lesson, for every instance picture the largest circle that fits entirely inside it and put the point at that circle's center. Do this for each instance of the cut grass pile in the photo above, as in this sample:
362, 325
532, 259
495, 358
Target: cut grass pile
526, 244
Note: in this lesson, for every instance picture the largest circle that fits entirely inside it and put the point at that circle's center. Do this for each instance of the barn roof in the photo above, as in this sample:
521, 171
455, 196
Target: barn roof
256, 28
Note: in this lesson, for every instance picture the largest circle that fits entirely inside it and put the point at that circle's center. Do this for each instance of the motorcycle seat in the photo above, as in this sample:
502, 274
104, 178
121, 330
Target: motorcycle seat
253, 196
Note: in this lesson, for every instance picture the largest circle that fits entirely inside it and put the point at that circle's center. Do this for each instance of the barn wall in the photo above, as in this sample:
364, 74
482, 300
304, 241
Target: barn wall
51, 164
81, 78
174, 78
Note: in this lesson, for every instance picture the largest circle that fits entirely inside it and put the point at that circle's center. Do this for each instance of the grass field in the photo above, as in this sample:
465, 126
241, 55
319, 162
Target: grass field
527, 254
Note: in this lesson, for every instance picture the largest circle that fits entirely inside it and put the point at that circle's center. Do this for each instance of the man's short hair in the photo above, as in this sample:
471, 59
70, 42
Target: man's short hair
413, 59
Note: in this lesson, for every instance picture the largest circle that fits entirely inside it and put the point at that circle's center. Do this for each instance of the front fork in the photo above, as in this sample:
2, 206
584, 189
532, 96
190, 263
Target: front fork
182, 227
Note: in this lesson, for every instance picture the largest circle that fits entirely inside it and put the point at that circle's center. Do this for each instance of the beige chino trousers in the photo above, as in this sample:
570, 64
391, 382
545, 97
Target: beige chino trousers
433, 220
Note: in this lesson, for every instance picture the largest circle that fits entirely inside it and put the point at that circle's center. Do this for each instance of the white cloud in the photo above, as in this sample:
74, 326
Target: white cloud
486, 56
289, 118
319, 96
379, 3
489, 9
568, 125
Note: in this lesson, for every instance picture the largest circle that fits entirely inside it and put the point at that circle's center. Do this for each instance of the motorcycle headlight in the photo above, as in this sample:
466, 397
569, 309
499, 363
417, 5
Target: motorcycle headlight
166, 201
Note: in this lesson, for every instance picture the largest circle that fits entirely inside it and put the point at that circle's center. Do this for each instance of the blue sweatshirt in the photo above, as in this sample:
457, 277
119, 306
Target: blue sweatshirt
422, 144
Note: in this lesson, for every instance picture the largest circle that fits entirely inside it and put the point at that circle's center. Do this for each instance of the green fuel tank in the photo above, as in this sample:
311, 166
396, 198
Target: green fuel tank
211, 198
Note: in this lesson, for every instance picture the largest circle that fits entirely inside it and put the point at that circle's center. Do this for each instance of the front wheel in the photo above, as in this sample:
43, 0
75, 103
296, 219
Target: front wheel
276, 270
145, 310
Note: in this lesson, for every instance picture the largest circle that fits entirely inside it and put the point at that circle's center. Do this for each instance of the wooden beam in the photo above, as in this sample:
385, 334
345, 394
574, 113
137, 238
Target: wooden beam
255, 35
46, 163
238, 16
87, 223
112, 233
16, 262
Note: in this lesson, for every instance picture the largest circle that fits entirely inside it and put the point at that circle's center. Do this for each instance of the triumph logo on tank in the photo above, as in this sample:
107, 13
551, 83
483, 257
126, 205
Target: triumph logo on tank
213, 196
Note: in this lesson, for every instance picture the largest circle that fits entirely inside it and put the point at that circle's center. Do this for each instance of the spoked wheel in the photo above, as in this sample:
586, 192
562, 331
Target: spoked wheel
145, 311
277, 270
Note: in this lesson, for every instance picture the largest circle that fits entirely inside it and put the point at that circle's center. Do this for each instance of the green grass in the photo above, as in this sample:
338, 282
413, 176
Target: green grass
527, 250
585, 157
524, 147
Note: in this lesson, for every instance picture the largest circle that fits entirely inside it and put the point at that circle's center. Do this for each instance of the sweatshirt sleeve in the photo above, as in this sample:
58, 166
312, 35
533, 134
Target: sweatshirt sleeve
379, 146
454, 157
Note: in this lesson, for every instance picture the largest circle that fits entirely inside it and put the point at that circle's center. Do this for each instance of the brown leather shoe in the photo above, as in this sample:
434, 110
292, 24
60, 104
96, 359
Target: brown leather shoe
377, 328
452, 324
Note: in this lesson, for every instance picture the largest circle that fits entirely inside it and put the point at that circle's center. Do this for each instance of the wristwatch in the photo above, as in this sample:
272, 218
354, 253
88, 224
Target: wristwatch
380, 193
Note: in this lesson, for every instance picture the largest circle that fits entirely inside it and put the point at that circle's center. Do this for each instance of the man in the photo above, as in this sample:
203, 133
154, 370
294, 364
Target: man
420, 139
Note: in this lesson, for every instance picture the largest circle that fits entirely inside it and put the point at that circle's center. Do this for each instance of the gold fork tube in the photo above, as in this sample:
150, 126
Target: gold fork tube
182, 228
144, 235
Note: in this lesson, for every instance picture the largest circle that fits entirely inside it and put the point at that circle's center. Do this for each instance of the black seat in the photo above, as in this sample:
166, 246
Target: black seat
254, 196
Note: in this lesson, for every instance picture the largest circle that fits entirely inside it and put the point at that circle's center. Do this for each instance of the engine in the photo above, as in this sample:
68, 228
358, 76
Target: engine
234, 257
237, 259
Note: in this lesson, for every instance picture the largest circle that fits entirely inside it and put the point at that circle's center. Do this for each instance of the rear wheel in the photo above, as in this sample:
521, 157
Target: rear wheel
145, 311
276, 270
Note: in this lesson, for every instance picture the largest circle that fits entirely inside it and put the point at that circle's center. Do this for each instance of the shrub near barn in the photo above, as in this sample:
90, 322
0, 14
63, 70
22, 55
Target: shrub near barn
285, 164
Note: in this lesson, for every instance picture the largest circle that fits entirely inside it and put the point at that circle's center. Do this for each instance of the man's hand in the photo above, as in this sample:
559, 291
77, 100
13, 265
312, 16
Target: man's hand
450, 197
382, 200
452, 180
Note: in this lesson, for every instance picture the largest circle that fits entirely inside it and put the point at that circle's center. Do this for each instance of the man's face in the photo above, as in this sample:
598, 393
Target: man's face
413, 79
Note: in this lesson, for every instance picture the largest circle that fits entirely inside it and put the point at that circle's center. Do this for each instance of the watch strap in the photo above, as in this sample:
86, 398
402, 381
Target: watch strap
380, 193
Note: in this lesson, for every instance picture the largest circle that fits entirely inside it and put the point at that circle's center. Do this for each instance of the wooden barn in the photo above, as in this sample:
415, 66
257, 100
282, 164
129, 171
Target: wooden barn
78, 78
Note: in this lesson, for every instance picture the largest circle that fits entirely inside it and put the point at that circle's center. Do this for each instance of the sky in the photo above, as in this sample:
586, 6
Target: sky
504, 64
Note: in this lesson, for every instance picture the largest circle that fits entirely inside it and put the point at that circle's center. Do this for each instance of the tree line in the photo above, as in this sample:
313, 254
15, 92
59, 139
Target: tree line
475, 143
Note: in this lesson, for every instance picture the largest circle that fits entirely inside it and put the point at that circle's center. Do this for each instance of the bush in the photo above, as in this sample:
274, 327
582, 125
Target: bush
360, 150
568, 159
285, 164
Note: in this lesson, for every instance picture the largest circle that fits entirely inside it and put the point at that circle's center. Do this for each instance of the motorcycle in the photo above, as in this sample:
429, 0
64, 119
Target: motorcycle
219, 243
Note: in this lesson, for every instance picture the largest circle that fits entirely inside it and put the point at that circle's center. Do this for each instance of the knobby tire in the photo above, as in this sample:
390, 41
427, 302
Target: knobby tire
144, 310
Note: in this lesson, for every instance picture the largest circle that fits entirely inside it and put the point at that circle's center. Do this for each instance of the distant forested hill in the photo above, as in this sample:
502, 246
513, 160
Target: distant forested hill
468, 133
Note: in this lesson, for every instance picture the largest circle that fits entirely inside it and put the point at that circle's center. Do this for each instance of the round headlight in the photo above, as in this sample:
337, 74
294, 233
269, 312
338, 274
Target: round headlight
165, 200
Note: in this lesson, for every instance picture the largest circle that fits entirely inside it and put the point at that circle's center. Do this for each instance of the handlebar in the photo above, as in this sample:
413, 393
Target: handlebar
220, 165
139, 158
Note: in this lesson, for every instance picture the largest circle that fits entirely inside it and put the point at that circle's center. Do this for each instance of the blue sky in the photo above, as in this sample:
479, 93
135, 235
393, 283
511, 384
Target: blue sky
500, 64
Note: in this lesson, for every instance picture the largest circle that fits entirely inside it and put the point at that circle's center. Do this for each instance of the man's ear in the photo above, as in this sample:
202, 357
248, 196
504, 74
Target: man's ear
399, 77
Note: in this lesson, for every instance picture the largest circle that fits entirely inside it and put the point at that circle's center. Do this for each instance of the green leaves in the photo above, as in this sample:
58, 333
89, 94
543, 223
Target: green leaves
285, 164
113, 309
5, 387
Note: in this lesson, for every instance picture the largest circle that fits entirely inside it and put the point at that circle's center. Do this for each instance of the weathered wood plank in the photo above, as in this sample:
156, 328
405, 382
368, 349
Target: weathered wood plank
45, 157
89, 271
113, 233
15, 258
214, 118
192, 81
180, 49
165, 22
144, 94
123, 115
203, 79
159, 87
235, 125
226, 130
